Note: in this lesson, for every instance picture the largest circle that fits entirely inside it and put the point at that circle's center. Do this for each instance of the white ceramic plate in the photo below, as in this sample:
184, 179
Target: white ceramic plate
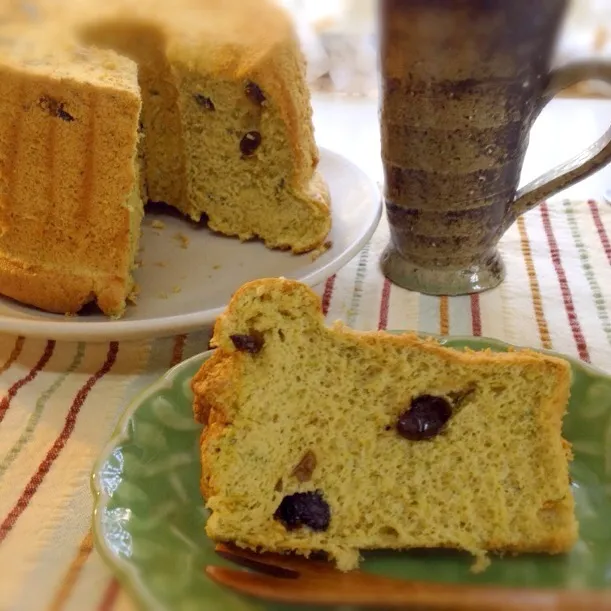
188, 273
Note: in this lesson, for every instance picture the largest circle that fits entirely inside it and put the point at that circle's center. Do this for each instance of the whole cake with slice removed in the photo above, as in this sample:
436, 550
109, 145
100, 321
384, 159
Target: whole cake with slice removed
328, 439
200, 104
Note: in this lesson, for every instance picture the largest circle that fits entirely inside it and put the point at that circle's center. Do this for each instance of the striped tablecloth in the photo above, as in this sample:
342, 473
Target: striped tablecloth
61, 401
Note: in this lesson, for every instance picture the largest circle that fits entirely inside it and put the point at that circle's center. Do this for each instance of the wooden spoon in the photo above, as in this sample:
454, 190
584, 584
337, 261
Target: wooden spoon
291, 579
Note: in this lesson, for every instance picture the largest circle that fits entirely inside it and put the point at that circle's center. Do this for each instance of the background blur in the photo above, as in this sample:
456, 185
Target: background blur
338, 38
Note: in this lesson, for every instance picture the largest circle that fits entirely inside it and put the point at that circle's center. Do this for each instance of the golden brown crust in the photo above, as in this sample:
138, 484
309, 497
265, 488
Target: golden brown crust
212, 387
214, 395
68, 123
60, 291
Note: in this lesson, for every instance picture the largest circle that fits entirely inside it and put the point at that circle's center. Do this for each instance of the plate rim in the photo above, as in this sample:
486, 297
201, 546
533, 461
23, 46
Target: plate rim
166, 326
122, 569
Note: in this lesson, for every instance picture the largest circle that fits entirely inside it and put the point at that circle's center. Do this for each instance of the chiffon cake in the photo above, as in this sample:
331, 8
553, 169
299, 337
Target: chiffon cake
199, 104
332, 440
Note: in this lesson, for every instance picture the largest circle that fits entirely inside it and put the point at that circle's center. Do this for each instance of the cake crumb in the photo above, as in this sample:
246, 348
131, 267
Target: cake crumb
133, 296
481, 563
70, 314
159, 264
176, 289
182, 239
216, 267
156, 224
163, 295
321, 250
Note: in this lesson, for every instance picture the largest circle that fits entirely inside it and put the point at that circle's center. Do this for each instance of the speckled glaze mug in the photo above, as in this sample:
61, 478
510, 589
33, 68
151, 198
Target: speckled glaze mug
462, 82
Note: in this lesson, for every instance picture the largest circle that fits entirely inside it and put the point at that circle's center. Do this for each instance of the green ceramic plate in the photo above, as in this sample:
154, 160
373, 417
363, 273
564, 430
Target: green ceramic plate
149, 516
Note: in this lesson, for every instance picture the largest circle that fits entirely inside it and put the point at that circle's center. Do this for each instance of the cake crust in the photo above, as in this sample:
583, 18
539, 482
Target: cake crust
68, 121
60, 292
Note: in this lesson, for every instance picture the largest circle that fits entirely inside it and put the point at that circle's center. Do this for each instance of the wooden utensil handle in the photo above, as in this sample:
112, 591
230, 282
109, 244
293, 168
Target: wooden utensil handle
383, 592
366, 590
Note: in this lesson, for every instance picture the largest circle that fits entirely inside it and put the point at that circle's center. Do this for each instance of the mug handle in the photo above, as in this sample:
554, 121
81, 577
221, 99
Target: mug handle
581, 166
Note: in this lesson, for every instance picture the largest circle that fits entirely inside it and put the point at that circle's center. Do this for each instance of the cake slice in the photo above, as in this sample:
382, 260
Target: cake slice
329, 439
70, 207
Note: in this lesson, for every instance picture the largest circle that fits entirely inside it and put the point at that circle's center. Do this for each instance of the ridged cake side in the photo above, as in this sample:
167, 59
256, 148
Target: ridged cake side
307, 445
142, 37
69, 202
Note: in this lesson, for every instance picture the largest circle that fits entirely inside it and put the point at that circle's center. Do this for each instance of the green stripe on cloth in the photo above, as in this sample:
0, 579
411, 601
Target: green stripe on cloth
357, 292
30, 377
35, 416
565, 289
55, 450
588, 270
158, 355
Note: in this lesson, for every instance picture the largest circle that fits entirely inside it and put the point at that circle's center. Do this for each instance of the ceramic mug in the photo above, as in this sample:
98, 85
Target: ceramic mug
462, 82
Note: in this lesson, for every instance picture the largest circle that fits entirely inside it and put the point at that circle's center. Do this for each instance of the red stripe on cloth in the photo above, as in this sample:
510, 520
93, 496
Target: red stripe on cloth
45, 466
110, 596
14, 389
328, 294
600, 228
567, 297
476, 316
384, 303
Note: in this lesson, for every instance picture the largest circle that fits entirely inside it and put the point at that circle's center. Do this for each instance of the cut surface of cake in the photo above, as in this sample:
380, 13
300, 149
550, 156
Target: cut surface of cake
328, 439
223, 130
